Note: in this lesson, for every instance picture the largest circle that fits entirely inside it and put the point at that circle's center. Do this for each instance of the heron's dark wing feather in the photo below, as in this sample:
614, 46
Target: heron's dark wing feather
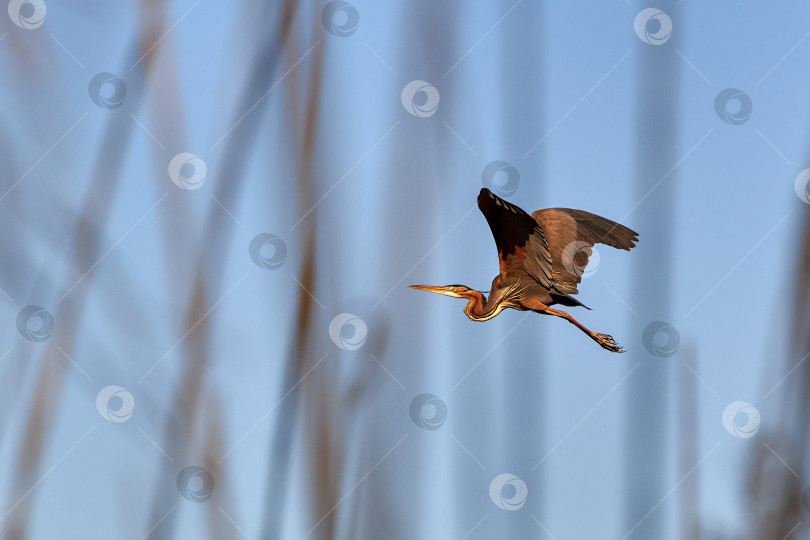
522, 247
571, 235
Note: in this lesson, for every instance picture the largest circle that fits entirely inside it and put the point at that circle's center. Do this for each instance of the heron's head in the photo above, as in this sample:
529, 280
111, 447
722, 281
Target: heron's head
456, 291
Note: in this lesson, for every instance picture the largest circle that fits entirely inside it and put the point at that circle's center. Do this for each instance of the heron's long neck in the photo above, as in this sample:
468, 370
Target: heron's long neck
477, 309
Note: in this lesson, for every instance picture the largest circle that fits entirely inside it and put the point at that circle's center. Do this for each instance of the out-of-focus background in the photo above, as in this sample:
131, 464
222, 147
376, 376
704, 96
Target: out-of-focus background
211, 212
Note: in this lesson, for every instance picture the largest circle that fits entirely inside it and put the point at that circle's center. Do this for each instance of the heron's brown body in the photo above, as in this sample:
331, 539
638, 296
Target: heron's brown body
542, 259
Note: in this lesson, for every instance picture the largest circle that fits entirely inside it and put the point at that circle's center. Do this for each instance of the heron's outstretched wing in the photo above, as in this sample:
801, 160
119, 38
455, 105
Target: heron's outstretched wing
522, 247
571, 235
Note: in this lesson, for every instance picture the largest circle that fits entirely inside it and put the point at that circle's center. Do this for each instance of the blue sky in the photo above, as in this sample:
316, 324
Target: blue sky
551, 88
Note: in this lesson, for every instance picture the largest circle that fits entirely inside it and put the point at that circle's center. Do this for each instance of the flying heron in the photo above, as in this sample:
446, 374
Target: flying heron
542, 259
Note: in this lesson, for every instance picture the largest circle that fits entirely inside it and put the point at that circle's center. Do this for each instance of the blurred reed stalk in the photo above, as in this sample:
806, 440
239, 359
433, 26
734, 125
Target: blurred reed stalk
775, 489
689, 446
646, 448
84, 249
191, 399
324, 451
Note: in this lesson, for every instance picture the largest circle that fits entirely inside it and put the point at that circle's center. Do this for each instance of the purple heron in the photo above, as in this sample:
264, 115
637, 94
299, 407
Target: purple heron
542, 259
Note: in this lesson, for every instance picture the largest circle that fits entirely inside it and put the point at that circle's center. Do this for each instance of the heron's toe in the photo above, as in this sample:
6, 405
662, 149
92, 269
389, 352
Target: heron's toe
608, 343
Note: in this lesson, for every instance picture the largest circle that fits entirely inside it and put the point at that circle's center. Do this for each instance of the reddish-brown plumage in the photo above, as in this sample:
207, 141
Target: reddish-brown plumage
563, 227
542, 258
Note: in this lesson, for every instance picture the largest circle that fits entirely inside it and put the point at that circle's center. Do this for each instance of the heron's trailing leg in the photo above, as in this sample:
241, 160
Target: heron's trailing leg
606, 341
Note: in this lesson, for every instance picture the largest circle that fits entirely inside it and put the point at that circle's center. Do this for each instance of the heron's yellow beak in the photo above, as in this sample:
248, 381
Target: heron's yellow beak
446, 290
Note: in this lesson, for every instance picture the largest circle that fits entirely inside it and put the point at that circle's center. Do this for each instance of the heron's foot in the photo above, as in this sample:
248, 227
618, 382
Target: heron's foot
607, 342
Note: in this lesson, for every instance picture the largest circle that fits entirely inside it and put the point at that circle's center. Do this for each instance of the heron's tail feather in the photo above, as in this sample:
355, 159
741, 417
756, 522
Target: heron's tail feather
566, 300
